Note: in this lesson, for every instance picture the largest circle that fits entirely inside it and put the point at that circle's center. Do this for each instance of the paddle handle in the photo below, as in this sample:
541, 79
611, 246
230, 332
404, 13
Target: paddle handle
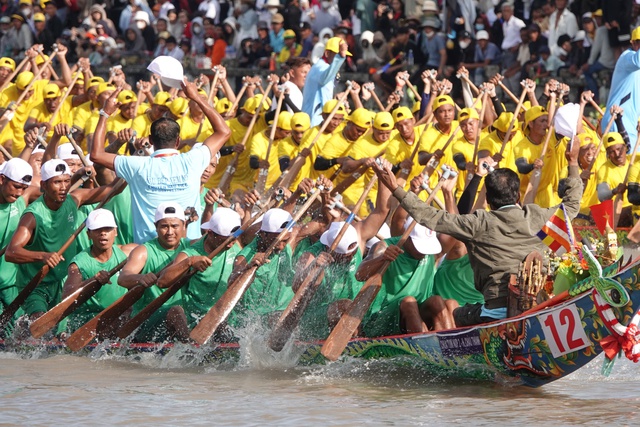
352, 216
237, 100
263, 174
64, 97
513, 121
83, 158
214, 83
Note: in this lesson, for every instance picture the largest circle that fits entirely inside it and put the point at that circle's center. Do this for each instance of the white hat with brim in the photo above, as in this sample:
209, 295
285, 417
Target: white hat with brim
100, 218
169, 69
346, 245
384, 232
67, 152
17, 170
169, 210
423, 239
39, 149
53, 168
223, 222
275, 220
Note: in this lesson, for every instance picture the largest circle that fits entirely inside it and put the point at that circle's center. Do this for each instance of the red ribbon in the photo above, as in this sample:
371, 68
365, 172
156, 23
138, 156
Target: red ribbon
612, 345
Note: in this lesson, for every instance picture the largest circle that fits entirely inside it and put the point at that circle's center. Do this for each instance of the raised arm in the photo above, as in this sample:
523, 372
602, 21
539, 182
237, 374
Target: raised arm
98, 154
221, 131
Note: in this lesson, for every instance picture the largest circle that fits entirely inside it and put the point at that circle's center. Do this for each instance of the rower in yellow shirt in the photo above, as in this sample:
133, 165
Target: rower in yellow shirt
122, 119
464, 148
611, 175
14, 131
528, 149
364, 152
42, 114
491, 145
194, 127
403, 143
103, 92
335, 126
82, 112
291, 146
334, 153
142, 123
263, 155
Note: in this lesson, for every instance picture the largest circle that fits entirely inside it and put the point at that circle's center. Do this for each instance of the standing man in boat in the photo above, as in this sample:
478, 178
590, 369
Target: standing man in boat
166, 174
497, 240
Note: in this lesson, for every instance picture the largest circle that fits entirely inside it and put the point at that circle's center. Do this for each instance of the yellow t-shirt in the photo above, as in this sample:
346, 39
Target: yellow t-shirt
189, 129
41, 114
259, 148
287, 148
337, 146
115, 124
244, 177
81, 114
142, 126
492, 143
308, 170
613, 175
285, 54
21, 114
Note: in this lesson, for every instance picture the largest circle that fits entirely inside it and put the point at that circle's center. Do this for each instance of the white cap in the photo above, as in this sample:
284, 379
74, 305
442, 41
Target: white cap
275, 220
384, 232
223, 222
169, 210
67, 152
141, 15
580, 35
482, 35
53, 168
17, 170
346, 245
39, 149
100, 218
424, 240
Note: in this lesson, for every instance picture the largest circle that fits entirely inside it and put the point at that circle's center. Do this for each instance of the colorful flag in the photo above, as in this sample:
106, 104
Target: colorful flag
557, 233
603, 214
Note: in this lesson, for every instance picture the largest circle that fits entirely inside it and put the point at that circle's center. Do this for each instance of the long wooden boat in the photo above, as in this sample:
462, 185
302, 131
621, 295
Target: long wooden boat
532, 350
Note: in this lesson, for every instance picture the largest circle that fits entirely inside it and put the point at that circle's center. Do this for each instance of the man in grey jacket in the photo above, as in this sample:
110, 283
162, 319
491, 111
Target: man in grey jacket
496, 240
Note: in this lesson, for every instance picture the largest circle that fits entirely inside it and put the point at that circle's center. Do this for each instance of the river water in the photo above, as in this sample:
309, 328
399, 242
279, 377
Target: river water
260, 389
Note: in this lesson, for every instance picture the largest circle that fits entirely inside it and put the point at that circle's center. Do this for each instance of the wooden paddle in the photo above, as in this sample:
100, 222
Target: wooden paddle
476, 143
376, 99
64, 97
8, 313
137, 320
350, 320
229, 114
349, 180
83, 158
263, 173
51, 318
617, 201
290, 318
212, 88
236, 289
534, 182
225, 181
511, 127
294, 168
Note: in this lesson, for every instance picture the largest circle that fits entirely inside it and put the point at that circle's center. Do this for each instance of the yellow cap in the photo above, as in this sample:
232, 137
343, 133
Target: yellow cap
80, 79
38, 17
127, 97
95, 81
526, 105
416, 107
103, 87
8, 62
23, 79
503, 122
442, 100
25, 2
289, 34
597, 12
612, 138
300, 122
223, 106
361, 117
250, 106
635, 35
51, 91
333, 45
179, 106
534, 113
468, 113
40, 59
265, 105
331, 104
585, 139
202, 91
402, 113
162, 98
383, 121
284, 120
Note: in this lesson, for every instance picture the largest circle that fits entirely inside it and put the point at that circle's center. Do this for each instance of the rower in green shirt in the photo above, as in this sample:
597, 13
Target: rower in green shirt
43, 229
208, 285
102, 256
143, 265
15, 193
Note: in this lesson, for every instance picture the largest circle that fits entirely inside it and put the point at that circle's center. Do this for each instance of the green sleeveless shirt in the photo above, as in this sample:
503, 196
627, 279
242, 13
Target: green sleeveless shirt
82, 241
53, 228
454, 280
157, 258
10, 214
120, 206
206, 287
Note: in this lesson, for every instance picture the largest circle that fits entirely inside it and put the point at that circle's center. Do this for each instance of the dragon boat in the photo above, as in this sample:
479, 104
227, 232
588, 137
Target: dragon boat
601, 313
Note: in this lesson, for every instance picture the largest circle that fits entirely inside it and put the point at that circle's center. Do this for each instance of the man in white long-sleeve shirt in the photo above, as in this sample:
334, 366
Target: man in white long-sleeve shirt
561, 21
318, 88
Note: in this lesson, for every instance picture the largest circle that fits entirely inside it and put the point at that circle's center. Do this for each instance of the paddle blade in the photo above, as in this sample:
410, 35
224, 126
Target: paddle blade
12, 308
51, 318
223, 307
290, 318
108, 322
349, 322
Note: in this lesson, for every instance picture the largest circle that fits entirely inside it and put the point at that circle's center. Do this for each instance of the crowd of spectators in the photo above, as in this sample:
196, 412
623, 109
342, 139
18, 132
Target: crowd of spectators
527, 38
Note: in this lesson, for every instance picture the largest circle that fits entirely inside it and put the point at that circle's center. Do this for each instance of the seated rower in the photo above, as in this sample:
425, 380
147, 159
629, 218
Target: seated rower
610, 176
102, 256
142, 267
497, 240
